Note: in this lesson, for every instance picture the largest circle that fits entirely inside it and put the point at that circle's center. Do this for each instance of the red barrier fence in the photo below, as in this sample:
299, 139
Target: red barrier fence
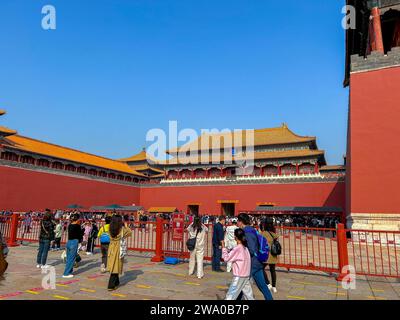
370, 253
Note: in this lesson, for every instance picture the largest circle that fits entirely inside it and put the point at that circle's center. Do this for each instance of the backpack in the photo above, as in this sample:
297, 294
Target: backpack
105, 236
276, 248
263, 248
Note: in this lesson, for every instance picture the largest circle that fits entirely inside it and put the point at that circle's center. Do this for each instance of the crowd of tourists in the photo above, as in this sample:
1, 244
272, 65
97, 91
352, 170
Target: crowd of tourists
247, 253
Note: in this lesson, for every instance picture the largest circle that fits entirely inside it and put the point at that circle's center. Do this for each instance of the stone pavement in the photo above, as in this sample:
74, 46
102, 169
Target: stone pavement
145, 280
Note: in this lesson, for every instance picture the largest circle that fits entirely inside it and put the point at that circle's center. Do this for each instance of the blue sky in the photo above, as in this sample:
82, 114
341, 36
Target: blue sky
114, 69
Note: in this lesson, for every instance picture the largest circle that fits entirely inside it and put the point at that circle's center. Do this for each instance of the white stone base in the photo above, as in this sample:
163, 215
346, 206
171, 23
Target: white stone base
374, 221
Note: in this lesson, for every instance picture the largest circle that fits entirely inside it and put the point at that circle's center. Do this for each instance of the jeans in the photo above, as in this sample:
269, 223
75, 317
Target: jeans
90, 245
72, 250
259, 279
44, 246
216, 258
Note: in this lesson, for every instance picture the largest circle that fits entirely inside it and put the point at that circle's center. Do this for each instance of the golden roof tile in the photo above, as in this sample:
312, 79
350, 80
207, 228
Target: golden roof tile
162, 209
56, 151
141, 156
6, 131
2, 112
262, 137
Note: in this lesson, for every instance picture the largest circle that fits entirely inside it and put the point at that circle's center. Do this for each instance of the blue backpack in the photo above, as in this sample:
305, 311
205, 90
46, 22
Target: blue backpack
105, 237
263, 247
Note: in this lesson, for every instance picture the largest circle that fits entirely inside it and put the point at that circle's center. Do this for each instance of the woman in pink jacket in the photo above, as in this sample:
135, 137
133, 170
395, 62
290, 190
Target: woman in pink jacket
239, 256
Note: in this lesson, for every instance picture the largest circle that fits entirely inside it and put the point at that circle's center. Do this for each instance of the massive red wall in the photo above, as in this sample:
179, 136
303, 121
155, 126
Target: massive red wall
305, 194
22, 190
374, 142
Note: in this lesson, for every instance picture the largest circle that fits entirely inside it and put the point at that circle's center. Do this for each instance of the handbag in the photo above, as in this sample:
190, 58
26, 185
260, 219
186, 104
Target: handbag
191, 243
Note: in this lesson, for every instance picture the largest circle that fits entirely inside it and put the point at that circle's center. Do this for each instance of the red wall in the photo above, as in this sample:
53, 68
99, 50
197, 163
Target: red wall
22, 190
374, 142
305, 194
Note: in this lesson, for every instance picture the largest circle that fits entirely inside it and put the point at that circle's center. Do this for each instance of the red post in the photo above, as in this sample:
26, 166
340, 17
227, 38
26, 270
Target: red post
342, 250
159, 241
12, 240
377, 39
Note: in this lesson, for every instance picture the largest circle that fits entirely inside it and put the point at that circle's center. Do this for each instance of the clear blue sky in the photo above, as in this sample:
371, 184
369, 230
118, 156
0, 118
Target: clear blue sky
114, 69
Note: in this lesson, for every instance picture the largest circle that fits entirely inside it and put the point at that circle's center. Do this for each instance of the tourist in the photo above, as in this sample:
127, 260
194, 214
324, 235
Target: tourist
197, 230
86, 228
217, 239
119, 231
75, 237
230, 241
27, 222
92, 237
3, 255
257, 268
104, 236
58, 235
268, 231
46, 235
240, 259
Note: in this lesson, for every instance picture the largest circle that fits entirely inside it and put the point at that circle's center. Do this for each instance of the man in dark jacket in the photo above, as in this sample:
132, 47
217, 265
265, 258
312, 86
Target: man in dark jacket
257, 268
218, 237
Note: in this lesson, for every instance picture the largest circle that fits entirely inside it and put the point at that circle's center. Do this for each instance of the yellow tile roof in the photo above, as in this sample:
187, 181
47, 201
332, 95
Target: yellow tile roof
333, 167
56, 151
2, 112
6, 131
257, 156
162, 209
141, 156
143, 167
267, 136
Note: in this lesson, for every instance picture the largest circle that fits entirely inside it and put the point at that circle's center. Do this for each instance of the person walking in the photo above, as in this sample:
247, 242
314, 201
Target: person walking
230, 241
75, 236
119, 231
268, 231
104, 236
46, 235
197, 230
257, 268
58, 235
239, 257
92, 237
217, 239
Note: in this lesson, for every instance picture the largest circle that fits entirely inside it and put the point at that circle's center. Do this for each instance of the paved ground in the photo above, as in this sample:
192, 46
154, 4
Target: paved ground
146, 280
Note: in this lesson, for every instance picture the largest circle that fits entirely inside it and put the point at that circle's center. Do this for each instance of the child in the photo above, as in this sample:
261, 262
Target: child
239, 256
92, 238
57, 236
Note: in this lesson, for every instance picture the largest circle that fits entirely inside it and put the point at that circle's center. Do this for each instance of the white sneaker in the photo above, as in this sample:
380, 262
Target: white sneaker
274, 290
45, 266
269, 287
38, 266
89, 253
68, 276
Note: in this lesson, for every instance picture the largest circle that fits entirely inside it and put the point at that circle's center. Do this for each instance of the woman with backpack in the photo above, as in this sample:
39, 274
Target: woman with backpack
104, 236
45, 237
119, 232
268, 231
197, 232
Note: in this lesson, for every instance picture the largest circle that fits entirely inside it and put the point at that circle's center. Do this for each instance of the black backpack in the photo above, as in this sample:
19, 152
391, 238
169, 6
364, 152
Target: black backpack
276, 248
